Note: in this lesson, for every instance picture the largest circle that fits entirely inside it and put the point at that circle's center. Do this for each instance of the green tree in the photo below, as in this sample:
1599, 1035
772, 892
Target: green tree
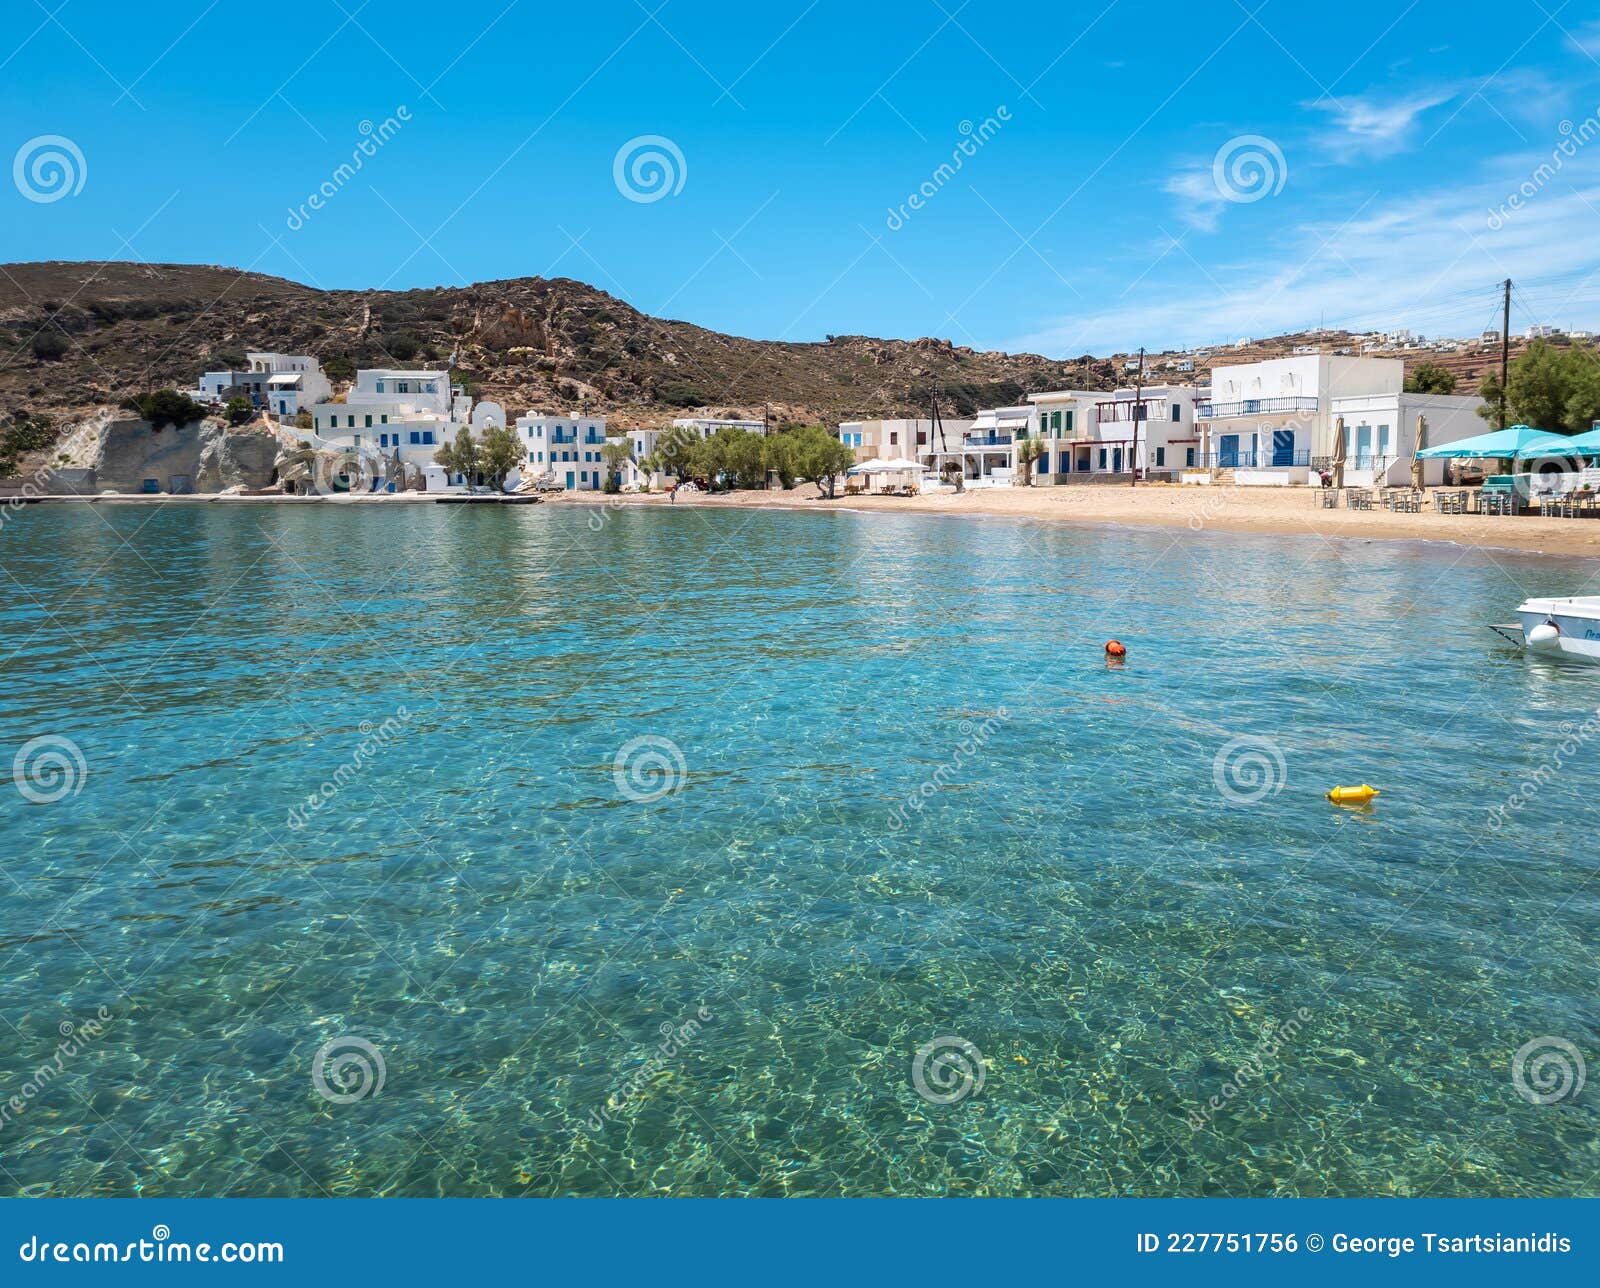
616, 453
1028, 451
498, 454
819, 457
461, 456
1430, 378
165, 407
674, 452
1550, 387
238, 411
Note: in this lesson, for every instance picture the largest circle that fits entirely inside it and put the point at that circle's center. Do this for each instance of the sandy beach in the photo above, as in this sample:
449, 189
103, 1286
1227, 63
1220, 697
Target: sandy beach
1153, 505
1157, 505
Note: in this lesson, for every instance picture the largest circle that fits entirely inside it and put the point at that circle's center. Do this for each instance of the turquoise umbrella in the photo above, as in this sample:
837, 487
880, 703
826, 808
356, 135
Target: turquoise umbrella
1502, 444
1577, 445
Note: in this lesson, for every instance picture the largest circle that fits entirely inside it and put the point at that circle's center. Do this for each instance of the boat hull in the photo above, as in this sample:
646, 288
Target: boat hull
1576, 622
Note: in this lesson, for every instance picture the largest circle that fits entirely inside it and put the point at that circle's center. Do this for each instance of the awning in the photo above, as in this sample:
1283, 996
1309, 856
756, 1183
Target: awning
286, 378
1503, 444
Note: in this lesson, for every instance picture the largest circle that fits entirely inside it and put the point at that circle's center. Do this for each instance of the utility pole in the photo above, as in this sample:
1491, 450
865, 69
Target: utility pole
1505, 352
1138, 406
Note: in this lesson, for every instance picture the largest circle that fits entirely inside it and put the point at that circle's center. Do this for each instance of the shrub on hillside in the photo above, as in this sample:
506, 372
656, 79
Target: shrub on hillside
165, 407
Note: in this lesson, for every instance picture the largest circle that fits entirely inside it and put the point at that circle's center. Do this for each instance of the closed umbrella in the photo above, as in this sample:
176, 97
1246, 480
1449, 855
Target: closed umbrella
1338, 453
1417, 445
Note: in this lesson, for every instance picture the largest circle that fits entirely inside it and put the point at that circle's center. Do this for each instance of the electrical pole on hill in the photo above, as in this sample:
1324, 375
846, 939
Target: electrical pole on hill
1505, 352
1138, 406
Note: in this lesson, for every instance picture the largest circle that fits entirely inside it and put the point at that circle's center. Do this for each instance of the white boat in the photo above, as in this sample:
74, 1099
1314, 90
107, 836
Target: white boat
1558, 627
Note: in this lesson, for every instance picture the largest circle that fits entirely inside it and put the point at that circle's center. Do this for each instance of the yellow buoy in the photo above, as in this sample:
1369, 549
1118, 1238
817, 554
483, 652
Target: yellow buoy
1353, 795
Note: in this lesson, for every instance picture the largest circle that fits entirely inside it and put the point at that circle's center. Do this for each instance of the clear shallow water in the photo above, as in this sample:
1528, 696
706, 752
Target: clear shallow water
483, 903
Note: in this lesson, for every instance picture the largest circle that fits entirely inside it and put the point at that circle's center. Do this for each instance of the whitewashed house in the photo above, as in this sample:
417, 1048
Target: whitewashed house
281, 383
985, 448
1381, 432
911, 438
404, 416
706, 426
1095, 432
1273, 422
565, 449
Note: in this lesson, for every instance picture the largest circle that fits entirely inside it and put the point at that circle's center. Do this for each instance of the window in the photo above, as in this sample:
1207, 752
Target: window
380, 386
383, 420
368, 425
1102, 458
1177, 413
1055, 421
352, 422
894, 437
1189, 456
1161, 456
402, 386
416, 437
1069, 422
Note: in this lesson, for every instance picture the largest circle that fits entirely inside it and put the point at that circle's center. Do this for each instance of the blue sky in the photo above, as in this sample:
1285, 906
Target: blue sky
1133, 173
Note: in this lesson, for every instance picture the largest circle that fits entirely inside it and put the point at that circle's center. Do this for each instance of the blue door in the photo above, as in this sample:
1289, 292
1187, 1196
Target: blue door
1228, 451
569, 479
1116, 460
1283, 447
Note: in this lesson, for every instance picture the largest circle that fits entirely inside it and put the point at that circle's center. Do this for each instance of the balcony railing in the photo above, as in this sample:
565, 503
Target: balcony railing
986, 440
1122, 409
1253, 407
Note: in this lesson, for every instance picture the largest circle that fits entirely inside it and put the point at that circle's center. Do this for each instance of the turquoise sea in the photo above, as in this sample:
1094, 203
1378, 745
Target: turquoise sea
424, 850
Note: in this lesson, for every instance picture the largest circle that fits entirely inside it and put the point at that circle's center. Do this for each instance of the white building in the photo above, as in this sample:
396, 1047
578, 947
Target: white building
403, 415
1273, 422
565, 449
910, 438
1096, 432
985, 448
1381, 431
706, 426
282, 383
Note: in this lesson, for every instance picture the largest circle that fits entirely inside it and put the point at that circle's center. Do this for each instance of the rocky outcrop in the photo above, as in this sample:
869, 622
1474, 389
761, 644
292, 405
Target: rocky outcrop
119, 453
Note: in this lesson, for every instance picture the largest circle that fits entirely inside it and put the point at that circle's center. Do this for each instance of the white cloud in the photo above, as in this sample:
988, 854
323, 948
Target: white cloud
1369, 126
1200, 205
1429, 262
1586, 39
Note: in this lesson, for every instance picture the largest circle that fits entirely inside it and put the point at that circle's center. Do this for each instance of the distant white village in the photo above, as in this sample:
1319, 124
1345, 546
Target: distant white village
1271, 422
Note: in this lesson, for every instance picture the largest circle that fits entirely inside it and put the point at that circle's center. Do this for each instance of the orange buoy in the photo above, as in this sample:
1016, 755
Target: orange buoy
1116, 648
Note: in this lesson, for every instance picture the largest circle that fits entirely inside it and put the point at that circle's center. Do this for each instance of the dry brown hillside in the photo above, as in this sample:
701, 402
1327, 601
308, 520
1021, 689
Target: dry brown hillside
73, 335
77, 335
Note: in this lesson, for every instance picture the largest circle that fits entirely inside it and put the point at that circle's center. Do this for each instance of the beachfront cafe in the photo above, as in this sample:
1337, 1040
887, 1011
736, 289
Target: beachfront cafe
1559, 475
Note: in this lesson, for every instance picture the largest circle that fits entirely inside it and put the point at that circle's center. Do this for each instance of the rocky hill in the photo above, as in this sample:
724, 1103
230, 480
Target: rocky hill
77, 335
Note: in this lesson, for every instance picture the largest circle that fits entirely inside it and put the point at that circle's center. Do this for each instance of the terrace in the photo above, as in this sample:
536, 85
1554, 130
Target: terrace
1253, 407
